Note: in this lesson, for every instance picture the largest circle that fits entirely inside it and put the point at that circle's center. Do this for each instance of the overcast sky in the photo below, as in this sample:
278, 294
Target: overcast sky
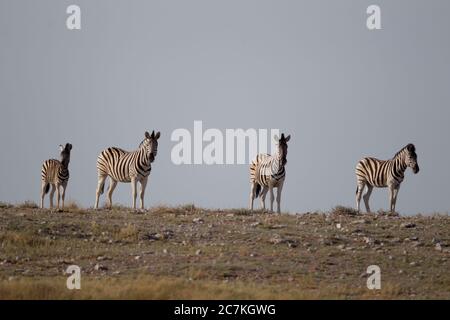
309, 68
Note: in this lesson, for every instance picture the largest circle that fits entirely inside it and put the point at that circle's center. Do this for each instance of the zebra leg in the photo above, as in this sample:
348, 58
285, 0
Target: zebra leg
271, 198
252, 195
43, 185
366, 197
100, 187
396, 190
58, 195
142, 193
63, 196
263, 197
359, 190
112, 186
52, 192
133, 191
279, 189
391, 198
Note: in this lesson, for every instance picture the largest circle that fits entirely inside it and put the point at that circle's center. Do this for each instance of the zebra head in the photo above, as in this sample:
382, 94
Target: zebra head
150, 144
65, 153
411, 158
282, 148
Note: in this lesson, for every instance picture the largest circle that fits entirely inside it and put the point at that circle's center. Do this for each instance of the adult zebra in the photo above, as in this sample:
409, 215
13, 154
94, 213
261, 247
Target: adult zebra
372, 172
268, 172
124, 166
56, 174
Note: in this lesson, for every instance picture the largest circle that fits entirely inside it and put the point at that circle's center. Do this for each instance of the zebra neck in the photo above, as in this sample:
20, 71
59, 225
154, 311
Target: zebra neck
400, 165
64, 168
144, 157
277, 164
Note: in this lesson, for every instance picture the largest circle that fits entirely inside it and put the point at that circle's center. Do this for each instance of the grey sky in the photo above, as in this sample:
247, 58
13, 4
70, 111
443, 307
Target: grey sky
309, 68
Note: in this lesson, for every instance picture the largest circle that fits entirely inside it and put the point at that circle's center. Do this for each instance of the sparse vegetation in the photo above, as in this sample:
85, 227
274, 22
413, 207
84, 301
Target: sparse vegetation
346, 211
28, 205
4, 205
188, 252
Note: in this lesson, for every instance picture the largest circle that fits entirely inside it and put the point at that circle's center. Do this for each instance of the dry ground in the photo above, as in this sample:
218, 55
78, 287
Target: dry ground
192, 253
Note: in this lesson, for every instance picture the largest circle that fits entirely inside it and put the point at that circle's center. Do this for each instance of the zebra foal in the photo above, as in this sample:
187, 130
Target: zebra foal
268, 172
56, 174
372, 173
129, 167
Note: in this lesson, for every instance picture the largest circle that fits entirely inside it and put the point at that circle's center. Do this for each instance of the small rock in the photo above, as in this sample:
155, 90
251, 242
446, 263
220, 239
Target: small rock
198, 220
254, 224
408, 225
198, 252
338, 226
137, 257
292, 244
100, 267
438, 247
278, 226
276, 240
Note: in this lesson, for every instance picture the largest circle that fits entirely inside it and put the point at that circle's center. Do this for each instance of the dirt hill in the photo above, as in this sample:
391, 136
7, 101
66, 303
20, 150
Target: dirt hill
192, 253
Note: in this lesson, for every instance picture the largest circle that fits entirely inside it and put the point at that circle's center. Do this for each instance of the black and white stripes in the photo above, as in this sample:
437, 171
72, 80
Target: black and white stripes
55, 173
268, 172
124, 166
372, 172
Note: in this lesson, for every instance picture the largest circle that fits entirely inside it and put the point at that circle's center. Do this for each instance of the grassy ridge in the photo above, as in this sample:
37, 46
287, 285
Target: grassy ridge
193, 253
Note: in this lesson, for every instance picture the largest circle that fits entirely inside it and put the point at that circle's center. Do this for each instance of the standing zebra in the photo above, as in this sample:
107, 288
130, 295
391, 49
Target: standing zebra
124, 166
56, 173
372, 172
268, 172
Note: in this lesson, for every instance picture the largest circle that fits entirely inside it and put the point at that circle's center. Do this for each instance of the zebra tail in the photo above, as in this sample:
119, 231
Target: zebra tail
47, 188
258, 190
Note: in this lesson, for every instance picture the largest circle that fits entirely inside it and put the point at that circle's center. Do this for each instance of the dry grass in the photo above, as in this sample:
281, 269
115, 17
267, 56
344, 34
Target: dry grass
188, 252
165, 288
28, 205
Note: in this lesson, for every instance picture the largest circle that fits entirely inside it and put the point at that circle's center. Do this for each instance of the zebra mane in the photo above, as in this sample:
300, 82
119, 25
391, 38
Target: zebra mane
140, 144
410, 147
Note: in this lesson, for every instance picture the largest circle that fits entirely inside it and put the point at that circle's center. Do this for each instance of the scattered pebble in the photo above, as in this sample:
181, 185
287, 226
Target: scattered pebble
408, 225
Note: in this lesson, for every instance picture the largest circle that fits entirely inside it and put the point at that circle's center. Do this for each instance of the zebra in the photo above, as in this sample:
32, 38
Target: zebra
124, 166
268, 172
56, 174
372, 172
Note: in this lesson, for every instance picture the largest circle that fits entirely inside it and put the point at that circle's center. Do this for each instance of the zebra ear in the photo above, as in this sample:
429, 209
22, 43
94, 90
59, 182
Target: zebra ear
147, 135
157, 135
68, 146
411, 147
61, 148
276, 138
288, 138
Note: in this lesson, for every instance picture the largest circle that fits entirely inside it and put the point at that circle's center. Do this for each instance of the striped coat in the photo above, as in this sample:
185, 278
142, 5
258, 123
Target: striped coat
129, 167
268, 172
372, 172
55, 173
